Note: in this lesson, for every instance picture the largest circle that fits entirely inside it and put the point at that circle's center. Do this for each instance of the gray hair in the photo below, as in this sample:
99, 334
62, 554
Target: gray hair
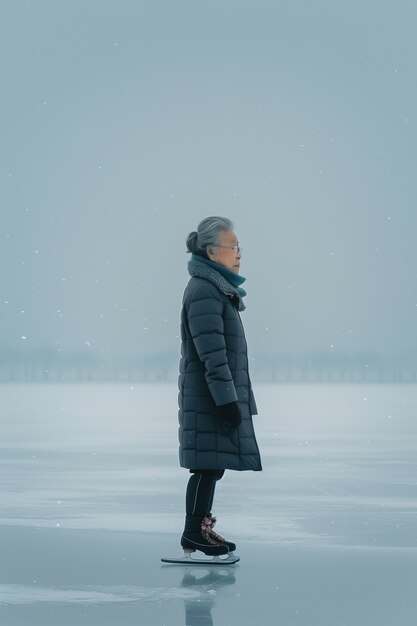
207, 234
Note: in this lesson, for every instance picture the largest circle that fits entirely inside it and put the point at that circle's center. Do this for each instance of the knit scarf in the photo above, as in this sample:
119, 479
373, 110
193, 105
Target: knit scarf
226, 280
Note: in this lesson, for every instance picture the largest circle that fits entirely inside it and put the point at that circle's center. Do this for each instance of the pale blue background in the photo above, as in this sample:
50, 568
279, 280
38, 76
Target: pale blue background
126, 123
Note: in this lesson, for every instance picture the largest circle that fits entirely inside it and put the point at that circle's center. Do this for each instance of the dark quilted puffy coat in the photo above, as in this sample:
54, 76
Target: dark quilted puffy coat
214, 371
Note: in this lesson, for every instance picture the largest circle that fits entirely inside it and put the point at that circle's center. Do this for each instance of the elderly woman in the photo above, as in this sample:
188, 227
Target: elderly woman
216, 401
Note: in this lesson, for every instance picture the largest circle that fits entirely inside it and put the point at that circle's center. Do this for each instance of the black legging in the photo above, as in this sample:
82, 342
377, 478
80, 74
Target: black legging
200, 491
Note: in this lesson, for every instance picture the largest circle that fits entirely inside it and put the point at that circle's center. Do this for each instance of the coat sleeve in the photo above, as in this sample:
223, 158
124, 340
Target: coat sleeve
206, 326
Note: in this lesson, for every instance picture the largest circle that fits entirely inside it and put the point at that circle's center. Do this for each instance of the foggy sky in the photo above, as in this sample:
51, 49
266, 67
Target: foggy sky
126, 123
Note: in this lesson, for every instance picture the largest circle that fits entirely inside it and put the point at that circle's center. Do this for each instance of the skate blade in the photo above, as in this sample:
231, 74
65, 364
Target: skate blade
187, 559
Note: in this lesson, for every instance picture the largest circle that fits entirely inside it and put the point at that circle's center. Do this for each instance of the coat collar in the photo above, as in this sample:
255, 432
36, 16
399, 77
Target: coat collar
204, 268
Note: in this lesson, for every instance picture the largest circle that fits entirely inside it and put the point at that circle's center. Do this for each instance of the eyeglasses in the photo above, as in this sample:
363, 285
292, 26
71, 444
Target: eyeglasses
234, 248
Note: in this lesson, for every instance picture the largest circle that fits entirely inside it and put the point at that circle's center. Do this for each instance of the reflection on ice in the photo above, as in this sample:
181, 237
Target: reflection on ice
198, 611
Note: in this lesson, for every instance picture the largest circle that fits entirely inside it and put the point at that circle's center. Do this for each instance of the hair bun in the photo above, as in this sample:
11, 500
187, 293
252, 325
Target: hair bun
191, 242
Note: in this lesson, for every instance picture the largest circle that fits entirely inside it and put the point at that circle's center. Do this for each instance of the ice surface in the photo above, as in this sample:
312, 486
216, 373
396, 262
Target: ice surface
92, 497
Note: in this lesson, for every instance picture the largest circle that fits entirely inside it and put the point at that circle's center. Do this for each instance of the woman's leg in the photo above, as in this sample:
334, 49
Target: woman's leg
200, 491
219, 475
199, 497
199, 502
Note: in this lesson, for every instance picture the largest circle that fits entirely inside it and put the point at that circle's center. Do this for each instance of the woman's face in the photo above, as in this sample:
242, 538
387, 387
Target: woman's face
224, 253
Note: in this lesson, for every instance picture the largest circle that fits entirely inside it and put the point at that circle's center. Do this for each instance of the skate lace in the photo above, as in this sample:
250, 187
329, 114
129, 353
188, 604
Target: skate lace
209, 523
208, 534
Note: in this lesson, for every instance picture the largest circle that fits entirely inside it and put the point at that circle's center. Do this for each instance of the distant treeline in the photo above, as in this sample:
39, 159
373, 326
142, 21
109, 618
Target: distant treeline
51, 366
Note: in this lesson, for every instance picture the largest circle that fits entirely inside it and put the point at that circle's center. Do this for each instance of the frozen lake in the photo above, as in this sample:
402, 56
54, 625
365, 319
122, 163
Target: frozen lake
92, 496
